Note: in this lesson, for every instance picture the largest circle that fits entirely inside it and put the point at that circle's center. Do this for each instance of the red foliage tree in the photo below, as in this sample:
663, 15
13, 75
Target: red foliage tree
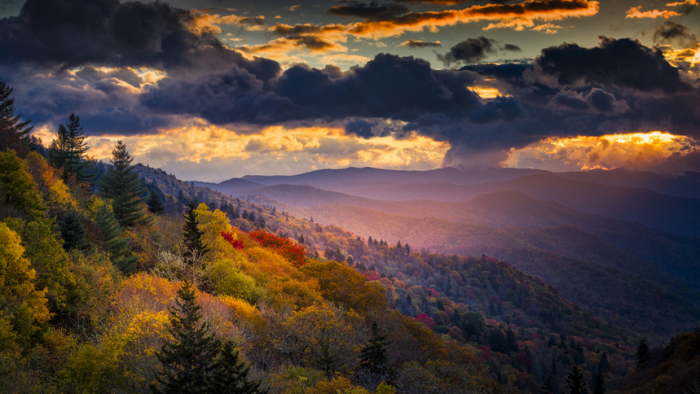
285, 247
236, 243
425, 319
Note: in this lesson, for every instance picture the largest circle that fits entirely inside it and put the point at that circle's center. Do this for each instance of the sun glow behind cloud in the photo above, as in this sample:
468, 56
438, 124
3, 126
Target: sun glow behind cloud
211, 153
656, 151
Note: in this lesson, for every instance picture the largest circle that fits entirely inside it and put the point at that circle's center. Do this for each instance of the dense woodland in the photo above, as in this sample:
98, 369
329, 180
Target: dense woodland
115, 277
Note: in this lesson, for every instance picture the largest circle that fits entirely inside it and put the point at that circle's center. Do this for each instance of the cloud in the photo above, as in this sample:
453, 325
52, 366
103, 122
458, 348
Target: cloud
420, 44
621, 63
636, 12
70, 33
671, 32
369, 11
294, 7
473, 50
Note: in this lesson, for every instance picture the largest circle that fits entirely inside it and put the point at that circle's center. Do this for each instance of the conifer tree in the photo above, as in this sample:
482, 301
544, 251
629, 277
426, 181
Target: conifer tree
326, 362
374, 360
155, 206
552, 382
231, 374
194, 247
643, 354
14, 134
73, 232
510, 341
67, 151
118, 247
604, 364
599, 383
124, 188
188, 359
575, 382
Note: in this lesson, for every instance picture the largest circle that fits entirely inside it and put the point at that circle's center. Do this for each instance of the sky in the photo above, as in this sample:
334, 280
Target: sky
215, 89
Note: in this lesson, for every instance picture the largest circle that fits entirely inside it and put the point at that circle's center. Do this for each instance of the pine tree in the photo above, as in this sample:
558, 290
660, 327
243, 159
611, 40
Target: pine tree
231, 374
599, 385
374, 360
67, 151
575, 382
155, 206
301, 238
14, 134
188, 359
643, 354
510, 341
194, 247
604, 364
124, 188
552, 382
118, 247
73, 232
326, 362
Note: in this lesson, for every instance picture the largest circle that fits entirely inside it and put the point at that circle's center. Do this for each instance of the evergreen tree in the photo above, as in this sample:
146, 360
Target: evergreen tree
73, 232
575, 382
326, 362
67, 152
301, 238
124, 188
118, 247
599, 385
260, 223
552, 382
374, 359
510, 341
604, 364
194, 247
14, 134
231, 374
189, 359
155, 206
643, 354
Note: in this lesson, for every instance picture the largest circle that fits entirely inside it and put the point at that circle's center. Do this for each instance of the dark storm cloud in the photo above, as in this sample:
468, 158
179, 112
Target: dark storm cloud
390, 87
360, 128
671, 32
70, 33
624, 63
473, 50
413, 44
369, 11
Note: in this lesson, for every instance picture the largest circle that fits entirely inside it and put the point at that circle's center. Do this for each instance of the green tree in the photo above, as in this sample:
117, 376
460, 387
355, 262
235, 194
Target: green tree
155, 206
326, 362
73, 231
194, 247
116, 245
604, 364
67, 152
575, 382
18, 194
123, 187
231, 374
189, 360
43, 247
374, 366
643, 355
599, 383
14, 134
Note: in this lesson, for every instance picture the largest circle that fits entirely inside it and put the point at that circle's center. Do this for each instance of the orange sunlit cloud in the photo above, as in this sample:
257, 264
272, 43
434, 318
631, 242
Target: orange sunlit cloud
687, 58
518, 16
636, 12
224, 153
639, 151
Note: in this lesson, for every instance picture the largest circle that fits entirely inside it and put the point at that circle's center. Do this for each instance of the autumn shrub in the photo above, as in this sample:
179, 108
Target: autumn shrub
227, 280
285, 247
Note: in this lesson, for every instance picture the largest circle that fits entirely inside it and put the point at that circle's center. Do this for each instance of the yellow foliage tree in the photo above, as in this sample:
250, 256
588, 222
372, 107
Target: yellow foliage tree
343, 285
213, 224
50, 185
22, 306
